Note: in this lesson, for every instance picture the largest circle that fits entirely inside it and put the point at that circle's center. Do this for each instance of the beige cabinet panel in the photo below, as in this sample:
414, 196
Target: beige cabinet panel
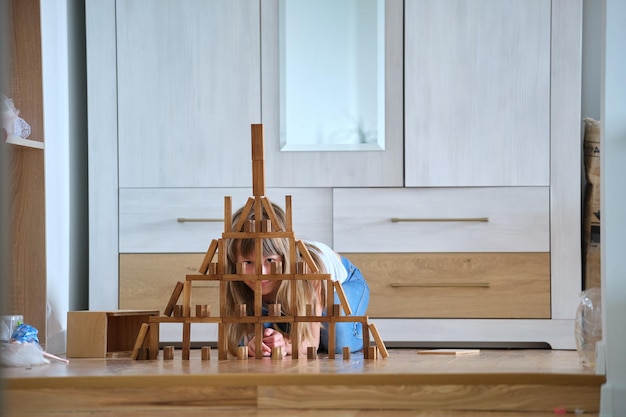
188, 89
456, 285
477, 93
507, 219
148, 280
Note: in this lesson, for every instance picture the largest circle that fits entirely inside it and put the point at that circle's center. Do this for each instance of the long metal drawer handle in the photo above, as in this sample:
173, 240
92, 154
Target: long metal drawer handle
190, 220
425, 219
435, 284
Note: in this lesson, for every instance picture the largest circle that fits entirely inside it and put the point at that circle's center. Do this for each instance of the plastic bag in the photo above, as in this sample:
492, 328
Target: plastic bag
588, 326
23, 349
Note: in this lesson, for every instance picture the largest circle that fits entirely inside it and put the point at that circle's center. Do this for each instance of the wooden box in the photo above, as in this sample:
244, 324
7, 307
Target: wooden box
100, 334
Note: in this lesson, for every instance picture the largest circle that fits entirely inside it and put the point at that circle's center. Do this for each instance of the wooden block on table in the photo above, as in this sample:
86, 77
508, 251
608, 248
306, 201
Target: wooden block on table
242, 353
372, 352
277, 353
379, 341
455, 352
168, 353
311, 352
346, 353
141, 339
101, 334
206, 353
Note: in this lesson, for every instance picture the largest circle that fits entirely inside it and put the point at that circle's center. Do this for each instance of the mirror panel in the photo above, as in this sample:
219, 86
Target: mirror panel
332, 75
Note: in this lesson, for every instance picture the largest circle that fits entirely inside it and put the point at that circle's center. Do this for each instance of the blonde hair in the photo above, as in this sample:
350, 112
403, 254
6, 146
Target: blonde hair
237, 292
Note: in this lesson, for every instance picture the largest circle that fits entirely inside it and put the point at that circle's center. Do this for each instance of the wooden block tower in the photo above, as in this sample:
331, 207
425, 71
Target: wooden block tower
301, 267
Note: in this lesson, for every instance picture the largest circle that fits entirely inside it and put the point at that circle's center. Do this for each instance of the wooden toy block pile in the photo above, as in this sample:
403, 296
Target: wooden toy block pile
213, 268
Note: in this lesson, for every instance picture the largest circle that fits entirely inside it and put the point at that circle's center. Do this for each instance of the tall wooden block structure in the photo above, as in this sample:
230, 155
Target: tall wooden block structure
301, 267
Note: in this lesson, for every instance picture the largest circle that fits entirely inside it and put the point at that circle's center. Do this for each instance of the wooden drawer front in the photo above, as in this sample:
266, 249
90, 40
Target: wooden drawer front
441, 219
457, 285
150, 219
147, 281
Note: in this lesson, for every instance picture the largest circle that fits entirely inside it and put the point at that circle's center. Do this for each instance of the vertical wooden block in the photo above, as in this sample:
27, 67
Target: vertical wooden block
277, 353
258, 178
274, 310
187, 299
186, 348
266, 225
178, 310
143, 353
258, 151
206, 353
240, 268
346, 353
213, 268
168, 353
300, 267
242, 353
249, 226
311, 352
276, 268
241, 310
336, 310
372, 352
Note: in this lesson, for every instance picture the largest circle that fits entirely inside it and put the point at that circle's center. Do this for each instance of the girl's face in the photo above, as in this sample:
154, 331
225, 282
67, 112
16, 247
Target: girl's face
268, 287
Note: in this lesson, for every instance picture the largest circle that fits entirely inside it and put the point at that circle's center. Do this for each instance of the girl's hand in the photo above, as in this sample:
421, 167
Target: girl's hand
271, 338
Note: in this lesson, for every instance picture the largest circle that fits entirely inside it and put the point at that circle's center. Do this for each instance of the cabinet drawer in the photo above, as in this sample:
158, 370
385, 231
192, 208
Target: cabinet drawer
186, 220
509, 219
456, 285
148, 280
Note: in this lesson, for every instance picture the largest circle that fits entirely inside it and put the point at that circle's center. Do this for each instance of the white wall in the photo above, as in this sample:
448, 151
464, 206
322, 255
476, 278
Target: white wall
613, 226
66, 207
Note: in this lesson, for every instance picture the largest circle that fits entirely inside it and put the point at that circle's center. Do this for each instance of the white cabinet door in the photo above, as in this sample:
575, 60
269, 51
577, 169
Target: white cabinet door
188, 89
477, 92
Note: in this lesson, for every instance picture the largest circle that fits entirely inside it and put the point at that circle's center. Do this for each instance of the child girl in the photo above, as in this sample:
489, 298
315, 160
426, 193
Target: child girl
309, 292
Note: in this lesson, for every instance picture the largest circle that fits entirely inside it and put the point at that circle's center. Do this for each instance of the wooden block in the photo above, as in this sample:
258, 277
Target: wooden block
249, 226
178, 310
342, 298
208, 257
456, 352
300, 267
269, 209
336, 310
276, 268
213, 268
266, 225
244, 214
169, 308
241, 310
311, 352
228, 213
101, 334
346, 353
143, 353
308, 259
242, 353
277, 353
141, 338
258, 178
288, 217
240, 268
274, 310
309, 310
372, 352
186, 345
187, 299
202, 310
168, 353
258, 150
379, 341
206, 353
